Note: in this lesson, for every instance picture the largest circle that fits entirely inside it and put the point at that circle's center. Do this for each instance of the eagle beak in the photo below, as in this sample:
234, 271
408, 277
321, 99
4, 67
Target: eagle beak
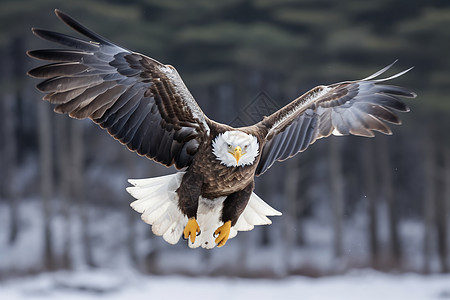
237, 153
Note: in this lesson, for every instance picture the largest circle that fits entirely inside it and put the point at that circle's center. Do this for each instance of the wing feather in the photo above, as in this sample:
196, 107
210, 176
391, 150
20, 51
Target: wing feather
142, 103
65, 40
58, 69
353, 107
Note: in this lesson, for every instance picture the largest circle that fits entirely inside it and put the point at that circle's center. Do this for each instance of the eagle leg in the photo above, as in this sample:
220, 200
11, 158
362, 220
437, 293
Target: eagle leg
192, 229
223, 232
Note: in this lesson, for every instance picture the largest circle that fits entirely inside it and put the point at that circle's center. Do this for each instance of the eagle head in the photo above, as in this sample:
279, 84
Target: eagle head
235, 148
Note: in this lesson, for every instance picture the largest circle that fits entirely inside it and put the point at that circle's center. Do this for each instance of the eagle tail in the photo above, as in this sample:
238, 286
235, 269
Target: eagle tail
157, 201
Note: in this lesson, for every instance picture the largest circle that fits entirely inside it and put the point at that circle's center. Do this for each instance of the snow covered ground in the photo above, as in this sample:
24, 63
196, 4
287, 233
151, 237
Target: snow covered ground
106, 284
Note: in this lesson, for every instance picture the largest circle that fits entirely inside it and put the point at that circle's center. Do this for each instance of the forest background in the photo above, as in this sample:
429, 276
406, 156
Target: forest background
348, 202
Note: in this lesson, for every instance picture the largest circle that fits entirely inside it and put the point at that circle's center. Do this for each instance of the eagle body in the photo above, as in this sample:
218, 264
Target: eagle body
209, 186
218, 179
146, 106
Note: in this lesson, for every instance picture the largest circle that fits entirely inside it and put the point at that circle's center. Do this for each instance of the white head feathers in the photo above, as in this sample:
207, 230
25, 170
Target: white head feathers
235, 148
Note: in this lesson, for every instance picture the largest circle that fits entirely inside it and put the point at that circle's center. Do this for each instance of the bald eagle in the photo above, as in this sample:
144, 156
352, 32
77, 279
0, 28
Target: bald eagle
146, 106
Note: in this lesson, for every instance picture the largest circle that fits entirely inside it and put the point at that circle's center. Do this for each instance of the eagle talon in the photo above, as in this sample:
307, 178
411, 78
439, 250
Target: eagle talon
223, 232
191, 230
198, 233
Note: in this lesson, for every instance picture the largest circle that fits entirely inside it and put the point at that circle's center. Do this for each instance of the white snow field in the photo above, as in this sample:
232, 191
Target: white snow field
108, 284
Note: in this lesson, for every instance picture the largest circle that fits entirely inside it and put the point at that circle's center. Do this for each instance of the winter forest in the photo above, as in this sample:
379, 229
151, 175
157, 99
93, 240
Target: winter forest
349, 203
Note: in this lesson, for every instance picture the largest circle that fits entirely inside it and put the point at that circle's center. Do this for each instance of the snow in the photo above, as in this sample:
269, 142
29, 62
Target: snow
113, 285
110, 246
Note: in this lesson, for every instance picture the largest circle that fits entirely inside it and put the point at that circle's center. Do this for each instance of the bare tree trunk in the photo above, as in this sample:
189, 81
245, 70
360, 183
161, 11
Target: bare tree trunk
9, 165
63, 156
131, 214
290, 225
291, 194
337, 189
429, 200
389, 194
11, 65
447, 198
442, 215
46, 180
370, 188
78, 185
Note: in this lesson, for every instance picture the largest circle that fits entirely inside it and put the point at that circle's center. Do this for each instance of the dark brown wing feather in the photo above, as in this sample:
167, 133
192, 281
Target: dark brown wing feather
139, 101
353, 107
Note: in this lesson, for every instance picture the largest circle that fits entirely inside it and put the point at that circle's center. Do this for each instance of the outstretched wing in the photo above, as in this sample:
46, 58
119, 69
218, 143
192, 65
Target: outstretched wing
353, 107
141, 102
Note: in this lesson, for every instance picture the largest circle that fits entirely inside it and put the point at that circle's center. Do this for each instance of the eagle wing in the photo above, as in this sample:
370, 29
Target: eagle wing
140, 102
352, 107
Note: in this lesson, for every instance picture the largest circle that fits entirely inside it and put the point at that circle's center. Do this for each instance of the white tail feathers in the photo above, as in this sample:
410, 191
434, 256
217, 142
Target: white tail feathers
157, 201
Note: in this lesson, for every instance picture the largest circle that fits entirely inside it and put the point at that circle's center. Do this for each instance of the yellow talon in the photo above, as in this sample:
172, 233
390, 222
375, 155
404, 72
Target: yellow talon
223, 232
191, 229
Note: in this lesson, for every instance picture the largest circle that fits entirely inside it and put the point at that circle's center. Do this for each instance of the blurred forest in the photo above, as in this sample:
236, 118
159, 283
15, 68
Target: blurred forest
348, 202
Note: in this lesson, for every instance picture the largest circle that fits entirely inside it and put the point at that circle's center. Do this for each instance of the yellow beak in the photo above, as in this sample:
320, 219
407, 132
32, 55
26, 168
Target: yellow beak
237, 153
